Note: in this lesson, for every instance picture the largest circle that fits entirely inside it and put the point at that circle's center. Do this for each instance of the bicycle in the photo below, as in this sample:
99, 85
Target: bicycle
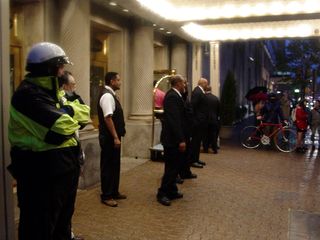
284, 138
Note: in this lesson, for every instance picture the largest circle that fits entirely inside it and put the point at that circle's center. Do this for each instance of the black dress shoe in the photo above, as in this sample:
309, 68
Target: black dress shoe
179, 180
215, 151
175, 195
196, 165
164, 200
189, 176
202, 162
119, 196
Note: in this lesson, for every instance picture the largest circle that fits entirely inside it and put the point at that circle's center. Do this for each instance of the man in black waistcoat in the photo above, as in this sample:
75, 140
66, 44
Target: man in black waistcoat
200, 120
111, 129
173, 140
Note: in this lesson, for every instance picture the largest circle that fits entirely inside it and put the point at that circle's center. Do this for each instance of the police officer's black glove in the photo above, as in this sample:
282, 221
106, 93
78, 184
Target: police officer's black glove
68, 110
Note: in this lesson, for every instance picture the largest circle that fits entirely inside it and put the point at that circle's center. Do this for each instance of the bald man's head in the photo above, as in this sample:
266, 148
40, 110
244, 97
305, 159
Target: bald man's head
203, 83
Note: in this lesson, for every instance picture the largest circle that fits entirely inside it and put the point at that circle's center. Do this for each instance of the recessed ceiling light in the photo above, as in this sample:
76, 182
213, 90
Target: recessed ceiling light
125, 10
113, 4
168, 32
161, 29
154, 25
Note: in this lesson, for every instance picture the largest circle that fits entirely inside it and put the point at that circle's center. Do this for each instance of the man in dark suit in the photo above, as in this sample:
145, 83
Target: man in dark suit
200, 120
185, 171
211, 134
173, 140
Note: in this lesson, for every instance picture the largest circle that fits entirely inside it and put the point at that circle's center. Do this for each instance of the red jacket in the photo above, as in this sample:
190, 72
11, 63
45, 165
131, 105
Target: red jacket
301, 118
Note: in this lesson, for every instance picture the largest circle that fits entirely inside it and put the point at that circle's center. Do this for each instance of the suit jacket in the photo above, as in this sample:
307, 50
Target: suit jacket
199, 106
174, 123
213, 104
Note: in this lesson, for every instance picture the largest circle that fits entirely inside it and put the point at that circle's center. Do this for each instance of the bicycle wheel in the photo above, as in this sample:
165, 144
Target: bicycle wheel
286, 140
250, 137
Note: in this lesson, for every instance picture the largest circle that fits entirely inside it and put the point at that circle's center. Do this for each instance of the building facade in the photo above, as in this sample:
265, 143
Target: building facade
98, 38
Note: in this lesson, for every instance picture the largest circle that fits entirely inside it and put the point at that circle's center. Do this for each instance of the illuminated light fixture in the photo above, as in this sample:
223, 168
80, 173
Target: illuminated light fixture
297, 90
105, 47
154, 25
244, 10
161, 29
244, 31
113, 4
125, 10
170, 11
275, 8
15, 25
168, 32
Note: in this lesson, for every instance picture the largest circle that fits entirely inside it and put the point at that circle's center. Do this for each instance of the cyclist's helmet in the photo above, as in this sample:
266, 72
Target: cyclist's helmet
44, 56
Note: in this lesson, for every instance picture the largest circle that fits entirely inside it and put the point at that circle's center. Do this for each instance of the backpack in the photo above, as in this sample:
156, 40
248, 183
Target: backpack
293, 114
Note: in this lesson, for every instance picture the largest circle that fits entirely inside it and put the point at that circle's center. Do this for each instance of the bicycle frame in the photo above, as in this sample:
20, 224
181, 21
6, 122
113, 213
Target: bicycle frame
278, 126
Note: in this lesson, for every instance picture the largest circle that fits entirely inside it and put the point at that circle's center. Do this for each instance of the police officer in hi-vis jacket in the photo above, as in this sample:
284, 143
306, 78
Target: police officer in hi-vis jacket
44, 148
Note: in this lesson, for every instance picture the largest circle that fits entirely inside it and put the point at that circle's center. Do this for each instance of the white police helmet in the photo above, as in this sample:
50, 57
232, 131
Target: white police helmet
46, 52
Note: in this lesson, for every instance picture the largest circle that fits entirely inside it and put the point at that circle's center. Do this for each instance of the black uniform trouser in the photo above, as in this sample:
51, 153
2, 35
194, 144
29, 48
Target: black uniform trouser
46, 206
109, 168
197, 136
184, 169
211, 137
172, 158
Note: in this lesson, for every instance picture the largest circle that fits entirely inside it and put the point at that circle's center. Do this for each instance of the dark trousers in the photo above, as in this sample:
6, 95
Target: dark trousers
197, 136
46, 206
211, 137
172, 157
109, 168
184, 169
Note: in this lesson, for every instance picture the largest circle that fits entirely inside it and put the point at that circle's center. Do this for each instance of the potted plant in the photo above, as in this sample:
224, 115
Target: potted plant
228, 105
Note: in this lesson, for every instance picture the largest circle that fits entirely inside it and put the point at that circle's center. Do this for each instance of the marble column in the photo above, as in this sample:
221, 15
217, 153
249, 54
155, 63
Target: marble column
142, 72
215, 68
179, 58
75, 40
139, 124
196, 64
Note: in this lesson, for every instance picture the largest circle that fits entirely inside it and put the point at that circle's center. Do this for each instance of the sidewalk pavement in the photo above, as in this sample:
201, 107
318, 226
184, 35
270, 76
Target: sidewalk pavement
241, 194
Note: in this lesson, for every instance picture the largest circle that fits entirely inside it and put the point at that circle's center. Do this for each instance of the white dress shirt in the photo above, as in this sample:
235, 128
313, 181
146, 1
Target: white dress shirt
107, 103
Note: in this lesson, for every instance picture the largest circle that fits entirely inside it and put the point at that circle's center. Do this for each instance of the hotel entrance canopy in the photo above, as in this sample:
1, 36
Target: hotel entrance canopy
223, 20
